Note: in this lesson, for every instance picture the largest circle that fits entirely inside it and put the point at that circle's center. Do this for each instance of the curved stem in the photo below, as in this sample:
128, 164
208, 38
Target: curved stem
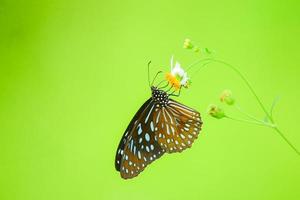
202, 66
248, 121
260, 103
248, 85
246, 114
196, 62
272, 125
241, 76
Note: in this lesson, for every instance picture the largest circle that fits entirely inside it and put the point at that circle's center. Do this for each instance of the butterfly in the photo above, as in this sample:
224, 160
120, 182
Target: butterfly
162, 125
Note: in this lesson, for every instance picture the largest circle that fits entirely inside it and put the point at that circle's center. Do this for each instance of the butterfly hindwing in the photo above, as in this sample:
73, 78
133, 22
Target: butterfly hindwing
177, 126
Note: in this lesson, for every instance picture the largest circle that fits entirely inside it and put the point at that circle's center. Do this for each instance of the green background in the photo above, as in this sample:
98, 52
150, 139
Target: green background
73, 73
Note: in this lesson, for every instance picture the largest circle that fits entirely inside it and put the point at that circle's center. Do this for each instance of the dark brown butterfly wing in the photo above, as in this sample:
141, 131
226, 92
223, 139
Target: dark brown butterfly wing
178, 126
138, 146
121, 147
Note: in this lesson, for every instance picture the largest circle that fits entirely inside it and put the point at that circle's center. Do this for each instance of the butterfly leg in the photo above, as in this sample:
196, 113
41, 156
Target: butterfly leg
170, 88
155, 77
176, 95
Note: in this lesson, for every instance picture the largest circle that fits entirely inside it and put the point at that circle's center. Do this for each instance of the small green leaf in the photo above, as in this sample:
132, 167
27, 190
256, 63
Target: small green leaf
207, 51
266, 119
274, 103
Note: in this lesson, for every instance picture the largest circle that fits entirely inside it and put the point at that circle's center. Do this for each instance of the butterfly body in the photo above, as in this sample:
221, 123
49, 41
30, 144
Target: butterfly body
161, 125
160, 97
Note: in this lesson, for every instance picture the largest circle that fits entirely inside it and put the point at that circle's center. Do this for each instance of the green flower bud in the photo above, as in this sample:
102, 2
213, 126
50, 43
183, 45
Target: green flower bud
196, 49
188, 83
226, 97
207, 51
187, 44
215, 111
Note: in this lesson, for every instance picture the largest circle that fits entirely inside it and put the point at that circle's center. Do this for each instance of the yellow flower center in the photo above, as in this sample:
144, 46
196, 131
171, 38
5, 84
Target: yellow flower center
173, 81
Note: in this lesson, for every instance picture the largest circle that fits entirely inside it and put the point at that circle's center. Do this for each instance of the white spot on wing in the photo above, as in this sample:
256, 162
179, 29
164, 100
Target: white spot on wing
152, 126
139, 129
157, 117
173, 131
147, 137
151, 147
149, 114
168, 130
147, 149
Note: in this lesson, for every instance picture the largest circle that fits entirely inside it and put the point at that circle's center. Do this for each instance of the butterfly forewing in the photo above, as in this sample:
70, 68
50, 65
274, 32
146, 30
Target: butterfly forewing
121, 147
135, 162
139, 146
177, 126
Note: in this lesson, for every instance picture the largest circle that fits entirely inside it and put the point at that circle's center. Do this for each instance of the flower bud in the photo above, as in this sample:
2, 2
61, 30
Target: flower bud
207, 51
216, 111
226, 97
196, 49
187, 44
187, 84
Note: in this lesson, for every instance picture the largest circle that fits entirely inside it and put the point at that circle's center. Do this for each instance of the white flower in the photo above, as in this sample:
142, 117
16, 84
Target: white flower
177, 71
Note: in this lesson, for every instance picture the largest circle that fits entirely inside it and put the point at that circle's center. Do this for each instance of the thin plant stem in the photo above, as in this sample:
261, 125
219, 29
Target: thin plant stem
241, 76
269, 116
248, 121
283, 137
273, 105
196, 63
248, 85
202, 66
246, 114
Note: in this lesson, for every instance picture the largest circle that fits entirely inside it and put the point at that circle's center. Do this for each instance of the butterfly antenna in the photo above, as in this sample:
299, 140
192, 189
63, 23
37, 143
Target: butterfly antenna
156, 76
164, 85
149, 73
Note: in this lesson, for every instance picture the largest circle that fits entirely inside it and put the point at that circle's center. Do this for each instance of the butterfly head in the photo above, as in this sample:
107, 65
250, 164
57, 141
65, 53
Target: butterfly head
160, 96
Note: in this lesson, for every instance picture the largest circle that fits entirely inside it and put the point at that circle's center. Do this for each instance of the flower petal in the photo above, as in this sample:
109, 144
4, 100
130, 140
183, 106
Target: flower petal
172, 58
184, 80
177, 70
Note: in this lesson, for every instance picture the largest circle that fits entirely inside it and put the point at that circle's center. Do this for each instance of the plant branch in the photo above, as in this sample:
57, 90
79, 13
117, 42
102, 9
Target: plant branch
246, 114
268, 115
247, 121
248, 85
287, 141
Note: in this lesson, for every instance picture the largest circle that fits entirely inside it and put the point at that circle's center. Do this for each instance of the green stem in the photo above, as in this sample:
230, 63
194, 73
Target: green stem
202, 66
246, 114
272, 125
197, 62
250, 122
241, 76
248, 85
260, 103
287, 141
